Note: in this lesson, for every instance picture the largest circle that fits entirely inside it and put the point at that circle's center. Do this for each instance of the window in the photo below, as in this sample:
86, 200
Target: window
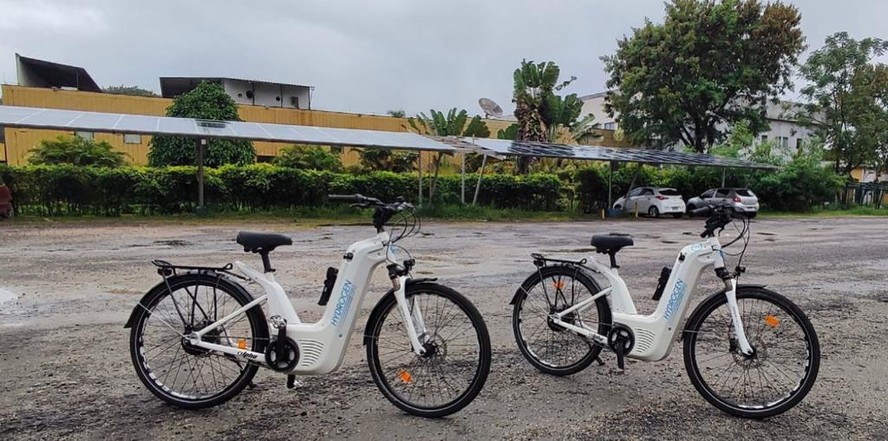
610, 126
783, 141
708, 194
647, 192
635, 192
721, 193
669, 192
764, 138
132, 139
798, 143
85, 135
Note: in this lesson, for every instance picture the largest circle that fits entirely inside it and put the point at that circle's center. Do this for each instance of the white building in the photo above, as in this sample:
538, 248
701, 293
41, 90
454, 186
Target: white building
784, 130
258, 93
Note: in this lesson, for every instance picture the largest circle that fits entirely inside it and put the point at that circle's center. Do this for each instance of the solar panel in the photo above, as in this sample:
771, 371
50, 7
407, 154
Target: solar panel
600, 153
153, 125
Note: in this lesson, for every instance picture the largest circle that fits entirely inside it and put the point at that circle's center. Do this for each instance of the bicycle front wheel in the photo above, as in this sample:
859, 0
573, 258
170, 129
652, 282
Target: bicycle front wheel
455, 365
182, 374
779, 373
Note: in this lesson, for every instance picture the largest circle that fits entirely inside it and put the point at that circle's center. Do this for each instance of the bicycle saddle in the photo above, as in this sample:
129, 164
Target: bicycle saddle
611, 243
262, 242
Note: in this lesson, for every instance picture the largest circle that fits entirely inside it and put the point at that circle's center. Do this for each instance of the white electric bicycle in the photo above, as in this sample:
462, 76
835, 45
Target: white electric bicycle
199, 337
749, 351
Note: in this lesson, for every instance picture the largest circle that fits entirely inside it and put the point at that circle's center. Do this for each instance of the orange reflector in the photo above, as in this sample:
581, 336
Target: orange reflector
772, 321
405, 377
559, 284
242, 343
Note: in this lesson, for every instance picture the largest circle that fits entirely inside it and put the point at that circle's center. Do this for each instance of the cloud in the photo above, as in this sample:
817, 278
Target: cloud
361, 56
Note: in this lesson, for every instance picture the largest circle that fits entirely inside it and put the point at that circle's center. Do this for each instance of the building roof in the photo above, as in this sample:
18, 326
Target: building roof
171, 87
40, 73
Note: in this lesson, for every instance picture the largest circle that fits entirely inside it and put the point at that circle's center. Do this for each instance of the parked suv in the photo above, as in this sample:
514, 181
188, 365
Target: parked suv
653, 201
740, 199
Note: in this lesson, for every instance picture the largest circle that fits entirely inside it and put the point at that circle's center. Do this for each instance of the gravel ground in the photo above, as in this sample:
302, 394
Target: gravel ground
66, 290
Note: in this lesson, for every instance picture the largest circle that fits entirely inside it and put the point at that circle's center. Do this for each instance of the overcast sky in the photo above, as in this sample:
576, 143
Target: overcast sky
361, 56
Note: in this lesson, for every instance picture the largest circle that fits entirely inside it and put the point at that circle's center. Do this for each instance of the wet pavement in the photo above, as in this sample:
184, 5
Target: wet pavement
67, 289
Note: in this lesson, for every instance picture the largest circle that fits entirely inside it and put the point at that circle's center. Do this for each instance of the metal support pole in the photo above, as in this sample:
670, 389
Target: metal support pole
201, 147
419, 168
724, 169
610, 185
632, 184
478, 185
462, 194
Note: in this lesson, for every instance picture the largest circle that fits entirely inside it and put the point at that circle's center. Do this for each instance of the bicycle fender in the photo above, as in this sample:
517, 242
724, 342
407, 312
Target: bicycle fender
720, 292
143, 302
391, 292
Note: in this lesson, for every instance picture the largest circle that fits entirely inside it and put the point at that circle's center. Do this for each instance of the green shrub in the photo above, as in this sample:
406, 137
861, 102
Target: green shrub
76, 151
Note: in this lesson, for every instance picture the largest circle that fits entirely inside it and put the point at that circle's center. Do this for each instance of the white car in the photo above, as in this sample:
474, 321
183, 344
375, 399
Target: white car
653, 201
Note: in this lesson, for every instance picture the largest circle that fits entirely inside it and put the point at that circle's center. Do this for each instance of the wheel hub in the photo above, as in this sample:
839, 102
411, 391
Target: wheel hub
210, 337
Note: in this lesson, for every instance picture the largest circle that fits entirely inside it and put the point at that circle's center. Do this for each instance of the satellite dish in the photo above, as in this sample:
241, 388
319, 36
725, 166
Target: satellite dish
490, 107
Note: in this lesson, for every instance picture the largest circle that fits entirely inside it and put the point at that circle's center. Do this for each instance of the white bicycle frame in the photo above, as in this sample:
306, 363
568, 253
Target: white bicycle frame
655, 333
322, 344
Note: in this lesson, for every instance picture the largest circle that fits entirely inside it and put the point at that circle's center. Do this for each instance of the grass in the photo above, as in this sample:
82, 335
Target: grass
345, 215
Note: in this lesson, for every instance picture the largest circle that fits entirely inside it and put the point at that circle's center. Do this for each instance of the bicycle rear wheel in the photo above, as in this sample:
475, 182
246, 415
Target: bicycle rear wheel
549, 347
775, 377
457, 360
179, 373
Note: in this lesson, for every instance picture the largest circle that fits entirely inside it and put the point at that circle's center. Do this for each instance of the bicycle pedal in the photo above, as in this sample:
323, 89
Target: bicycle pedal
251, 385
293, 383
599, 360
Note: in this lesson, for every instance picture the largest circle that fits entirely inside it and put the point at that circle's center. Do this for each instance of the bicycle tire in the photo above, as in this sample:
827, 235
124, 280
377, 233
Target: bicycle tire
196, 361
589, 352
785, 313
416, 372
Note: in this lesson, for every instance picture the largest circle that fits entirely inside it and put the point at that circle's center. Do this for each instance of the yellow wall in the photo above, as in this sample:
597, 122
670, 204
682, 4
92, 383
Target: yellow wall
20, 141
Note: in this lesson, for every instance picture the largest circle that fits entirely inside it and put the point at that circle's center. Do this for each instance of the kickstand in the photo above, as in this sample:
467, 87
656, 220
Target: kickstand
292, 383
251, 385
599, 360
618, 349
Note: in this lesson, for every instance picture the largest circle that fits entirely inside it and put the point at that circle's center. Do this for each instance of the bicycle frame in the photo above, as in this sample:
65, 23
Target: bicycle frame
654, 334
322, 345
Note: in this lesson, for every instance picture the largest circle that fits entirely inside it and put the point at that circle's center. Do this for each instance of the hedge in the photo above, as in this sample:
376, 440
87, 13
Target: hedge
65, 189
61, 189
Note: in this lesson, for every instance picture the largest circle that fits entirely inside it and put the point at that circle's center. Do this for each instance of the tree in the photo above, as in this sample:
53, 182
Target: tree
206, 101
76, 151
843, 107
388, 160
309, 157
396, 113
709, 65
129, 90
543, 115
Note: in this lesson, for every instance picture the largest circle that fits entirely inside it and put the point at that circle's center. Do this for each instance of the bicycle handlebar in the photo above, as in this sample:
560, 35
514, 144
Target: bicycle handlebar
383, 211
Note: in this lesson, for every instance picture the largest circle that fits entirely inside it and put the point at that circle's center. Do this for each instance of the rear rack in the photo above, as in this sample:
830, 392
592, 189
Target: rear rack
540, 260
167, 269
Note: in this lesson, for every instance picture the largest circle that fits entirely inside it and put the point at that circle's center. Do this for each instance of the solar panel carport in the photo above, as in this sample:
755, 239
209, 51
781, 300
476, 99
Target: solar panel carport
201, 130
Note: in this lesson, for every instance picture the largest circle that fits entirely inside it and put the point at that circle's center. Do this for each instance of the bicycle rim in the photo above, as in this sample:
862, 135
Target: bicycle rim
551, 346
457, 357
184, 374
775, 378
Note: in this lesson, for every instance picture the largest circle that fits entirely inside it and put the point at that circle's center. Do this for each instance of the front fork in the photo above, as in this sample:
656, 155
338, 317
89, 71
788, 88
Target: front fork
412, 319
739, 331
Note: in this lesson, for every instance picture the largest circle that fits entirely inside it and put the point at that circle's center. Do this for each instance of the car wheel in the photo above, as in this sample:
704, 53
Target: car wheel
653, 211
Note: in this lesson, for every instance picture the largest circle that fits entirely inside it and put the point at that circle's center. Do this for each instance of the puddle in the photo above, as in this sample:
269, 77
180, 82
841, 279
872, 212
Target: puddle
173, 242
6, 296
